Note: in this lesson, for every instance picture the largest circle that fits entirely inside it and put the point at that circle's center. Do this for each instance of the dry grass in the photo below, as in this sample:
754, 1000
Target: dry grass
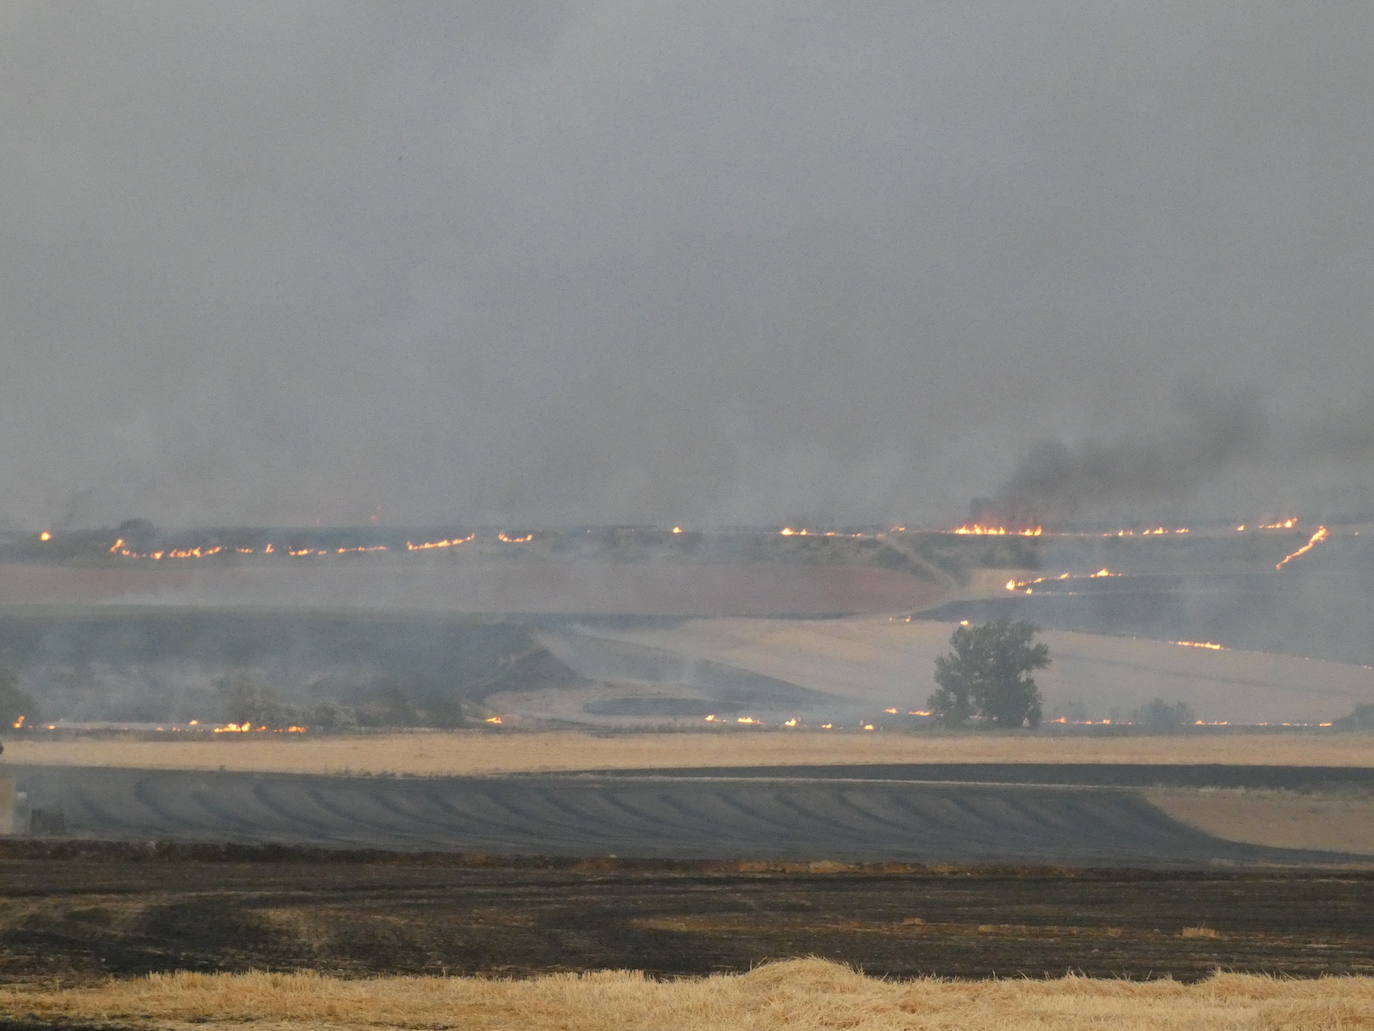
796, 994
477, 752
1279, 819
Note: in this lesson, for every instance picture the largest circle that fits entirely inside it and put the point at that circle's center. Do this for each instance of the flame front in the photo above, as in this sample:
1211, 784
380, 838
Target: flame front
1321, 535
1026, 585
980, 530
431, 545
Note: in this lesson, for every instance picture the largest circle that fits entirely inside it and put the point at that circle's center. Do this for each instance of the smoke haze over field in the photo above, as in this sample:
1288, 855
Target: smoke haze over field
681, 262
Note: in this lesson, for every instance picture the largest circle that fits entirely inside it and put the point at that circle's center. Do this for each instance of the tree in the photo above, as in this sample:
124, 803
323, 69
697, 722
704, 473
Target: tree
988, 674
1159, 715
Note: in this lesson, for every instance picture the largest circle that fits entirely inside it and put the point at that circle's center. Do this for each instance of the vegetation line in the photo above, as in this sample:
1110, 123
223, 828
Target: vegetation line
792, 994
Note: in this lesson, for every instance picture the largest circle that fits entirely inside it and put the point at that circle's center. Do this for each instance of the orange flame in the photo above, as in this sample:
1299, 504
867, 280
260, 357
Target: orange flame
790, 723
45, 536
997, 531
1209, 645
745, 719
1321, 535
495, 721
1287, 524
19, 723
1018, 585
431, 545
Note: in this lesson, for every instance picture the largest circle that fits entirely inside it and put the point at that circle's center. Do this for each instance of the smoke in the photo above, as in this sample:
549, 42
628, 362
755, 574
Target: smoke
699, 263
1202, 455
1200, 441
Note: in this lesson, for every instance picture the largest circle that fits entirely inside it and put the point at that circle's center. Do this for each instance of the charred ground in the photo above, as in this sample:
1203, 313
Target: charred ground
85, 912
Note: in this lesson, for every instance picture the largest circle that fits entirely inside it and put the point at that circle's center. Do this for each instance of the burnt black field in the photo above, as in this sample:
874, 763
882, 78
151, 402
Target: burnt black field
82, 912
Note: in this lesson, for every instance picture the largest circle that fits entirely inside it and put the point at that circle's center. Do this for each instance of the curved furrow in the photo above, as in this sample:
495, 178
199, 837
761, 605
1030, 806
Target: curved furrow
831, 812
617, 805
384, 833
902, 834
92, 808
1014, 825
704, 823
231, 813
579, 806
298, 810
544, 835
979, 826
479, 818
763, 813
422, 809
936, 815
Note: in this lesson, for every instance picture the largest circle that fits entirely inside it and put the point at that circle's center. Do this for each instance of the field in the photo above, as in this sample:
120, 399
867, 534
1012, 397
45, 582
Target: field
82, 912
478, 752
746, 876
807, 993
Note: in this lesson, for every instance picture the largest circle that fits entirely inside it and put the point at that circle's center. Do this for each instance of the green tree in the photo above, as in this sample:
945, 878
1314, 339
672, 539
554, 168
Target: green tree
987, 674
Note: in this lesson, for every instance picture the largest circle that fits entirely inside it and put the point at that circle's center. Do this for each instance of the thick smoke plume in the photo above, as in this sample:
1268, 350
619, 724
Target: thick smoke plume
1203, 456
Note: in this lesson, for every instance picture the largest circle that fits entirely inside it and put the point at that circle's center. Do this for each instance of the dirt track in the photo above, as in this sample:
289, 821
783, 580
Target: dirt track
654, 817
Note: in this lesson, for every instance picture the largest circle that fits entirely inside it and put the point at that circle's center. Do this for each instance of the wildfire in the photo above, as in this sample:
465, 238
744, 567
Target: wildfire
677, 529
790, 723
869, 726
248, 728
1209, 645
1025, 585
431, 545
505, 538
45, 536
745, 719
713, 718
997, 531
1321, 535
1288, 524
495, 721
1156, 531
19, 723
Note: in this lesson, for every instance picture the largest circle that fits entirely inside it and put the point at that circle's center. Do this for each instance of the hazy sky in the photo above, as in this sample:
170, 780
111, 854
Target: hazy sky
708, 261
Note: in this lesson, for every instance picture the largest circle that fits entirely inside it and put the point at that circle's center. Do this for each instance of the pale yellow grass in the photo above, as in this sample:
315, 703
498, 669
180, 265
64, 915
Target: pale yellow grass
791, 995
874, 660
1277, 818
478, 752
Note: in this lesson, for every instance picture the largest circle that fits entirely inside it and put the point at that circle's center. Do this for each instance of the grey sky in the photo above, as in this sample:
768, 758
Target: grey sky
699, 262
